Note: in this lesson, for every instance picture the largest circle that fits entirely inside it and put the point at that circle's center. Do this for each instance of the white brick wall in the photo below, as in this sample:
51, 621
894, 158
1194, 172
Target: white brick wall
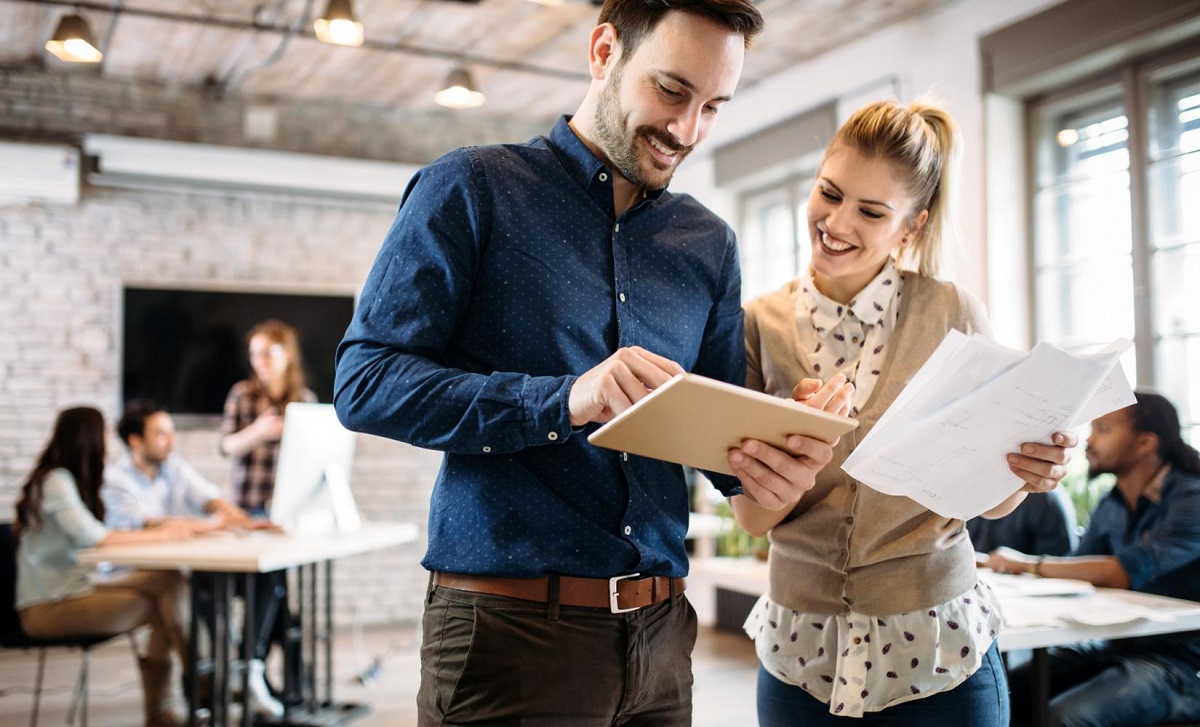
61, 273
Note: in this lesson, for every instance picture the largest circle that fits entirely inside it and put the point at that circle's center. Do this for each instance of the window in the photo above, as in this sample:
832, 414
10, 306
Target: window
773, 241
1173, 188
772, 171
1116, 229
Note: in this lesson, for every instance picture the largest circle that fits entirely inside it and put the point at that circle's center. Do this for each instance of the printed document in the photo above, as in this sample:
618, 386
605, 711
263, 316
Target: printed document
944, 441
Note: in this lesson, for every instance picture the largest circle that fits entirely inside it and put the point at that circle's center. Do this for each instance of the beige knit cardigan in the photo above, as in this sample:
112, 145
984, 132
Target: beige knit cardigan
845, 546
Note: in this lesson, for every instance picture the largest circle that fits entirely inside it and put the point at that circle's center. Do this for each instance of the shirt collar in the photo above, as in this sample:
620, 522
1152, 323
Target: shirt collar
1154, 489
870, 305
126, 463
579, 161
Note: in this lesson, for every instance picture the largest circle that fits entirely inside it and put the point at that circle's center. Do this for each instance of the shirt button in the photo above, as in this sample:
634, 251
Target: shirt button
628, 530
857, 640
625, 456
603, 177
486, 449
845, 552
617, 227
849, 521
622, 297
552, 436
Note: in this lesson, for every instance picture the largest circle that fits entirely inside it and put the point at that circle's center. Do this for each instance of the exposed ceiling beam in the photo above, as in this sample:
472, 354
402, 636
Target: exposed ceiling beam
282, 29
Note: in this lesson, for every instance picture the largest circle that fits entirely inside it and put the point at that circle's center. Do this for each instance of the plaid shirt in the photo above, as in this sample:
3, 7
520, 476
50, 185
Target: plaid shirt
253, 479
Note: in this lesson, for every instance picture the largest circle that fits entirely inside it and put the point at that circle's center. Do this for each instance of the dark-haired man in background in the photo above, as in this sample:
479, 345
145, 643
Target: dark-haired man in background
150, 484
1144, 536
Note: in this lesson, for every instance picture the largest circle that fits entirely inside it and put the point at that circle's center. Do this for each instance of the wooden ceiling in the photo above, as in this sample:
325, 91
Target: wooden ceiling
528, 58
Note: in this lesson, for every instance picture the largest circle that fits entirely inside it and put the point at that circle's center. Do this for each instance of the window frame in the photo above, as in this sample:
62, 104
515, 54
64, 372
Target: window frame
1135, 79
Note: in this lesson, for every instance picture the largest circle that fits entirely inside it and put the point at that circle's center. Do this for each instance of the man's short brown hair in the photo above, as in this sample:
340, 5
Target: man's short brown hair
636, 19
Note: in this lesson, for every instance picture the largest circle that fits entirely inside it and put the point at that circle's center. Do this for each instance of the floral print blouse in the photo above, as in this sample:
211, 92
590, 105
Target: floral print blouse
850, 338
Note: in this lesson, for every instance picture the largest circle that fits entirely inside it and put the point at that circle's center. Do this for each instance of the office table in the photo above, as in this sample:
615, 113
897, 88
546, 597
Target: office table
1035, 622
227, 557
1039, 622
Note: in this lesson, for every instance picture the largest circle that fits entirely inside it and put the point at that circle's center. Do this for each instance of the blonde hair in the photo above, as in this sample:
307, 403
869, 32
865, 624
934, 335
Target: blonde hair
923, 145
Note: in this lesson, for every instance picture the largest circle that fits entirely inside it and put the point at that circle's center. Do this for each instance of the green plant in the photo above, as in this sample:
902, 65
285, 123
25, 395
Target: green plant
1085, 494
734, 542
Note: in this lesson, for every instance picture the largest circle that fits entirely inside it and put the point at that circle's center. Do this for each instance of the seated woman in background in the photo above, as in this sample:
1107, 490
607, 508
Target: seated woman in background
59, 513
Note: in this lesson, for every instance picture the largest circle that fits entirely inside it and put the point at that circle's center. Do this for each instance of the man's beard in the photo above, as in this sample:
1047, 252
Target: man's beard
621, 146
1095, 470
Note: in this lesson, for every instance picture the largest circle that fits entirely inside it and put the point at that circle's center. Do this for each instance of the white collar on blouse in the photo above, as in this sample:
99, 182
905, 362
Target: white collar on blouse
870, 305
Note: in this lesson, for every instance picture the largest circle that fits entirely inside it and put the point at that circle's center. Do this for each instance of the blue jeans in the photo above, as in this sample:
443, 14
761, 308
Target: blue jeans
1108, 684
980, 701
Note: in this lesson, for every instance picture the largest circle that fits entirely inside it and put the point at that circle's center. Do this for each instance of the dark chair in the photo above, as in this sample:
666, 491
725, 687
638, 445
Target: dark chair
12, 637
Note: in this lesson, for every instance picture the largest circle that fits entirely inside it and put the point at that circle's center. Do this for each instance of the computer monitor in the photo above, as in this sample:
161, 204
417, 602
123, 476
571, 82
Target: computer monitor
312, 477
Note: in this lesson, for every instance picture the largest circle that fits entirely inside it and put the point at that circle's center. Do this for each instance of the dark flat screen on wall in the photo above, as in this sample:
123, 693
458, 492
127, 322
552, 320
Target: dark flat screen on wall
186, 348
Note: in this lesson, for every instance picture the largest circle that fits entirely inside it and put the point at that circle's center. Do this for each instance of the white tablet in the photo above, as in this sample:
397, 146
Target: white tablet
695, 420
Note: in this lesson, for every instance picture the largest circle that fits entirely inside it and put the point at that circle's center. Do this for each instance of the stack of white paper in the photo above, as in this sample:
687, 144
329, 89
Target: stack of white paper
944, 441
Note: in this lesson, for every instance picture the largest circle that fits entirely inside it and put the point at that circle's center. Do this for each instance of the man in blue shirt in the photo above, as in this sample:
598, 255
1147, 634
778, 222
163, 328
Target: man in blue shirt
524, 294
1145, 536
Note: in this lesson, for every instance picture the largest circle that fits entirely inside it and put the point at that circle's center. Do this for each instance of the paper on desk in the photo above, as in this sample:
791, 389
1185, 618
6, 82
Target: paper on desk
944, 441
1040, 611
1012, 585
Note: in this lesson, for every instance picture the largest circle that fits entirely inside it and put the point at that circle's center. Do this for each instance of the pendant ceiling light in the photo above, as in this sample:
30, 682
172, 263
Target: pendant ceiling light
338, 25
458, 92
72, 41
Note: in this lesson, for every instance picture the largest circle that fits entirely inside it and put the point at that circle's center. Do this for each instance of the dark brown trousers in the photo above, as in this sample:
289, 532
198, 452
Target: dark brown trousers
488, 660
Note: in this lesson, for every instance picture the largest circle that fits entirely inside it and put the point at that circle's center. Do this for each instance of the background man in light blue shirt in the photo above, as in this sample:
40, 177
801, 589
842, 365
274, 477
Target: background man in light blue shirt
151, 484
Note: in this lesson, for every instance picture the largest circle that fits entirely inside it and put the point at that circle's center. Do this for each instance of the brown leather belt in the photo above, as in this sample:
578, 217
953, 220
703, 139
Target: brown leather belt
618, 594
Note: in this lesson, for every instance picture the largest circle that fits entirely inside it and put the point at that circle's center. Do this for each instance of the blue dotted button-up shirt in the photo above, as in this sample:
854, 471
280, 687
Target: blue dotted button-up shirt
504, 277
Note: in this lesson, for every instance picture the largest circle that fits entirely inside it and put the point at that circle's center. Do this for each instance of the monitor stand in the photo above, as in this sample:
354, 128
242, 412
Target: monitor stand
340, 514
345, 511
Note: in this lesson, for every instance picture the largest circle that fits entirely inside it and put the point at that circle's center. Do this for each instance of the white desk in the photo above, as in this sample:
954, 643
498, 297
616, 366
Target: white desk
1056, 627
746, 575
1048, 621
229, 556
253, 552
707, 525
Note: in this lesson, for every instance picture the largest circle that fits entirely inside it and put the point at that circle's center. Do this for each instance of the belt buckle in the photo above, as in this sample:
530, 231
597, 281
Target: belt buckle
612, 594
